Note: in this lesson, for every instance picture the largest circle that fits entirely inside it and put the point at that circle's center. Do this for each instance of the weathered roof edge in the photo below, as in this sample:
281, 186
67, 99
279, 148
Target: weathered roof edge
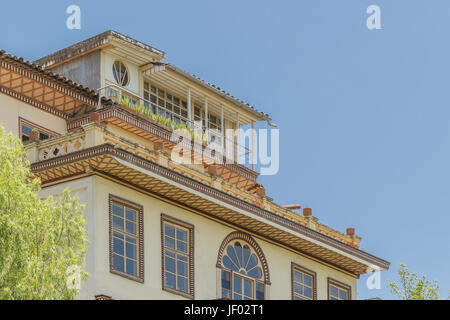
92, 43
108, 149
53, 76
219, 91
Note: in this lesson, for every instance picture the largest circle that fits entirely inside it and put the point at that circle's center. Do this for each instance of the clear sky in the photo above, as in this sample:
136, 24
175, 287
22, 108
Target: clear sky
363, 115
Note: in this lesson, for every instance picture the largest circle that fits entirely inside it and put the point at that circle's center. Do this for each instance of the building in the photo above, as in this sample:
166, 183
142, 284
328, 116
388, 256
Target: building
159, 229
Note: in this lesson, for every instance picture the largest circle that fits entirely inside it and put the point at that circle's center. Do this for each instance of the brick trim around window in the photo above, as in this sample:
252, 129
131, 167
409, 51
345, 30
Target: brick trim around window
340, 285
140, 236
190, 229
309, 272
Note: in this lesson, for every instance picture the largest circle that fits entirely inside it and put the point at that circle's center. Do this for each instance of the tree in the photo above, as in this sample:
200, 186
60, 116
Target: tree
42, 241
413, 287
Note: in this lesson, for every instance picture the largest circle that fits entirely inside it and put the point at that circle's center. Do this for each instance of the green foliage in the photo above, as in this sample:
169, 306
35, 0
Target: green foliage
40, 239
413, 287
164, 120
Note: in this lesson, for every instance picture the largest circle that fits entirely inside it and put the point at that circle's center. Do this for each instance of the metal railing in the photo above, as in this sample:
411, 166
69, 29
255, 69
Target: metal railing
131, 100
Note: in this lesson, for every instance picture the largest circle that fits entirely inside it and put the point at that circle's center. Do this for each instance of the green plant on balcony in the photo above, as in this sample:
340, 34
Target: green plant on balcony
164, 120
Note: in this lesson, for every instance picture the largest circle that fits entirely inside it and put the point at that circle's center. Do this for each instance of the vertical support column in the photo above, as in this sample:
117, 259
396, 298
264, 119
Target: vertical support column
206, 119
222, 128
189, 107
252, 147
238, 139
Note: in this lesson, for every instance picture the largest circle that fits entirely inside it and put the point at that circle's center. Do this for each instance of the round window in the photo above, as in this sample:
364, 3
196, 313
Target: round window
120, 73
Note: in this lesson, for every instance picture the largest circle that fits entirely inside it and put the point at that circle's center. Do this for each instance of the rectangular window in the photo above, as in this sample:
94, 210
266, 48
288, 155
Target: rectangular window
238, 287
338, 290
126, 238
177, 256
303, 283
26, 127
162, 102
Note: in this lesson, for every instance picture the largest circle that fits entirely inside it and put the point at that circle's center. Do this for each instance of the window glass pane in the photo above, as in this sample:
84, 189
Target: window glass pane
181, 246
25, 138
131, 240
333, 291
252, 262
118, 246
131, 267
169, 264
169, 243
225, 293
170, 280
255, 273
298, 276
307, 280
232, 257
248, 288
131, 227
43, 136
298, 288
226, 280
118, 263
26, 129
237, 284
170, 254
260, 291
246, 256
237, 297
131, 251
343, 294
182, 268
118, 235
228, 264
307, 292
238, 249
169, 231
182, 258
117, 223
117, 210
131, 215
182, 235
182, 284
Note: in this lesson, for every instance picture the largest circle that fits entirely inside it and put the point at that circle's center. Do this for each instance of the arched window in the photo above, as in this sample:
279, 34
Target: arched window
120, 73
242, 269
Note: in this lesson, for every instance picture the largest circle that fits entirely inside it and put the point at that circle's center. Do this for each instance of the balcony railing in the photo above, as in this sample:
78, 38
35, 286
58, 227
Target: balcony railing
176, 121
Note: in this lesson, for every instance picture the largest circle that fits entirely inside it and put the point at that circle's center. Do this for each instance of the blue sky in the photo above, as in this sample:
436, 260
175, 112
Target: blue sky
363, 115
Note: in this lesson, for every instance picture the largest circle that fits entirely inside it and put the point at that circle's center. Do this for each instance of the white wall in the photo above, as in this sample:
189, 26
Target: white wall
208, 237
133, 71
11, 109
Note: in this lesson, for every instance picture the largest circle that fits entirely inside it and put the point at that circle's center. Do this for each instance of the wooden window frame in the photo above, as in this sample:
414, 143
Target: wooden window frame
190, 233
242, 276
139, 235
247, 239
297, 267
155, 105
39, 128
339, 285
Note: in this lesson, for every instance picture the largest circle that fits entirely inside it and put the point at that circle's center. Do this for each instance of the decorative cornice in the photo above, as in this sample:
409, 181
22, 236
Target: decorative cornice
115, 112
107, 149
48, 78
33, 102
